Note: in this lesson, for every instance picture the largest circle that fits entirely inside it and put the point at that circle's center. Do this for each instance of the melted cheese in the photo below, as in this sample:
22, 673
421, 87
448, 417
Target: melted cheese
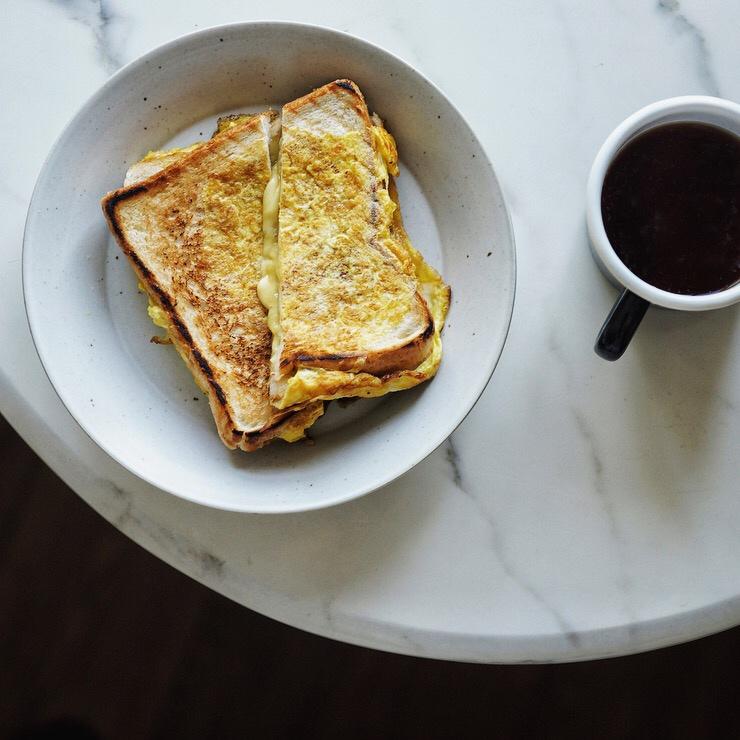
268, 287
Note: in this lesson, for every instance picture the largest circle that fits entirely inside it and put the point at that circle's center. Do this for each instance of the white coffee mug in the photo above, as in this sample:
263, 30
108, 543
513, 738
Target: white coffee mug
637, 295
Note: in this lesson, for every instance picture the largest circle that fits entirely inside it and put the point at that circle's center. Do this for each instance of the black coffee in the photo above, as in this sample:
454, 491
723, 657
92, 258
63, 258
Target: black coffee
671, 207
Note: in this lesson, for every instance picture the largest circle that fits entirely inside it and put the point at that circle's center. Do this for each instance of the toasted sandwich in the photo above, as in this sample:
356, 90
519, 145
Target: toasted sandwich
190, 223
353, 308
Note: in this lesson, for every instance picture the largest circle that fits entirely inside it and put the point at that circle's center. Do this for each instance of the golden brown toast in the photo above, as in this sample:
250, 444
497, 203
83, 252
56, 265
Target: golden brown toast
155, 161
192, 230
343, 285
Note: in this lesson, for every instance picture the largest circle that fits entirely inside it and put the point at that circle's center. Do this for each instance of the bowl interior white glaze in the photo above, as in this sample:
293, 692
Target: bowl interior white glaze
135, 399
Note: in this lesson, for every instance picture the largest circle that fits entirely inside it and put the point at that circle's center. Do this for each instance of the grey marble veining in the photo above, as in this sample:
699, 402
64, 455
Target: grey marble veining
499, 548
682, 24
582, 509
129, 520
98, 17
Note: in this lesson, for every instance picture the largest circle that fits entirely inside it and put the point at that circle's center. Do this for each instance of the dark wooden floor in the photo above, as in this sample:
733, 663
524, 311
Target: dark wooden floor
98, 639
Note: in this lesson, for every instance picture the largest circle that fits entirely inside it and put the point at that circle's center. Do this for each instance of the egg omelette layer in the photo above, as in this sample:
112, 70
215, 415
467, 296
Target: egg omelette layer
346, 281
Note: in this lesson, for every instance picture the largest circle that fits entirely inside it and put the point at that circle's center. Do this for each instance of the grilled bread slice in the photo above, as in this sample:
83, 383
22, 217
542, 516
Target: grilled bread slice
344, 288
192, 230
155, 161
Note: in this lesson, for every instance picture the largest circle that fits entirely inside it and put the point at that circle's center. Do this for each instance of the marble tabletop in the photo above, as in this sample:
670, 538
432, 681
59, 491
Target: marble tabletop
583, 509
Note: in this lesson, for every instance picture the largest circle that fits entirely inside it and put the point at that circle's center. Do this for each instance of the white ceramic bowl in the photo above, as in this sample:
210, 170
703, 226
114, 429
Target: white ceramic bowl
136, 399
701, 108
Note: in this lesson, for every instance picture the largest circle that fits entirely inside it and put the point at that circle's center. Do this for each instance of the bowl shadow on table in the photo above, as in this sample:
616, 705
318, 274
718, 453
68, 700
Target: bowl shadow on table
677, 396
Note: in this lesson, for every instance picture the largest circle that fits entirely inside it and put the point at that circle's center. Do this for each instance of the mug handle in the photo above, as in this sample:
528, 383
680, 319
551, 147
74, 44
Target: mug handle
620, 325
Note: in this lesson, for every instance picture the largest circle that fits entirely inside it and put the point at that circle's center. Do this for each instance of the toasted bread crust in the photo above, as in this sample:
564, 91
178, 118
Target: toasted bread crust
345, 89
296, 418
330, 130
389, 361
252, 357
